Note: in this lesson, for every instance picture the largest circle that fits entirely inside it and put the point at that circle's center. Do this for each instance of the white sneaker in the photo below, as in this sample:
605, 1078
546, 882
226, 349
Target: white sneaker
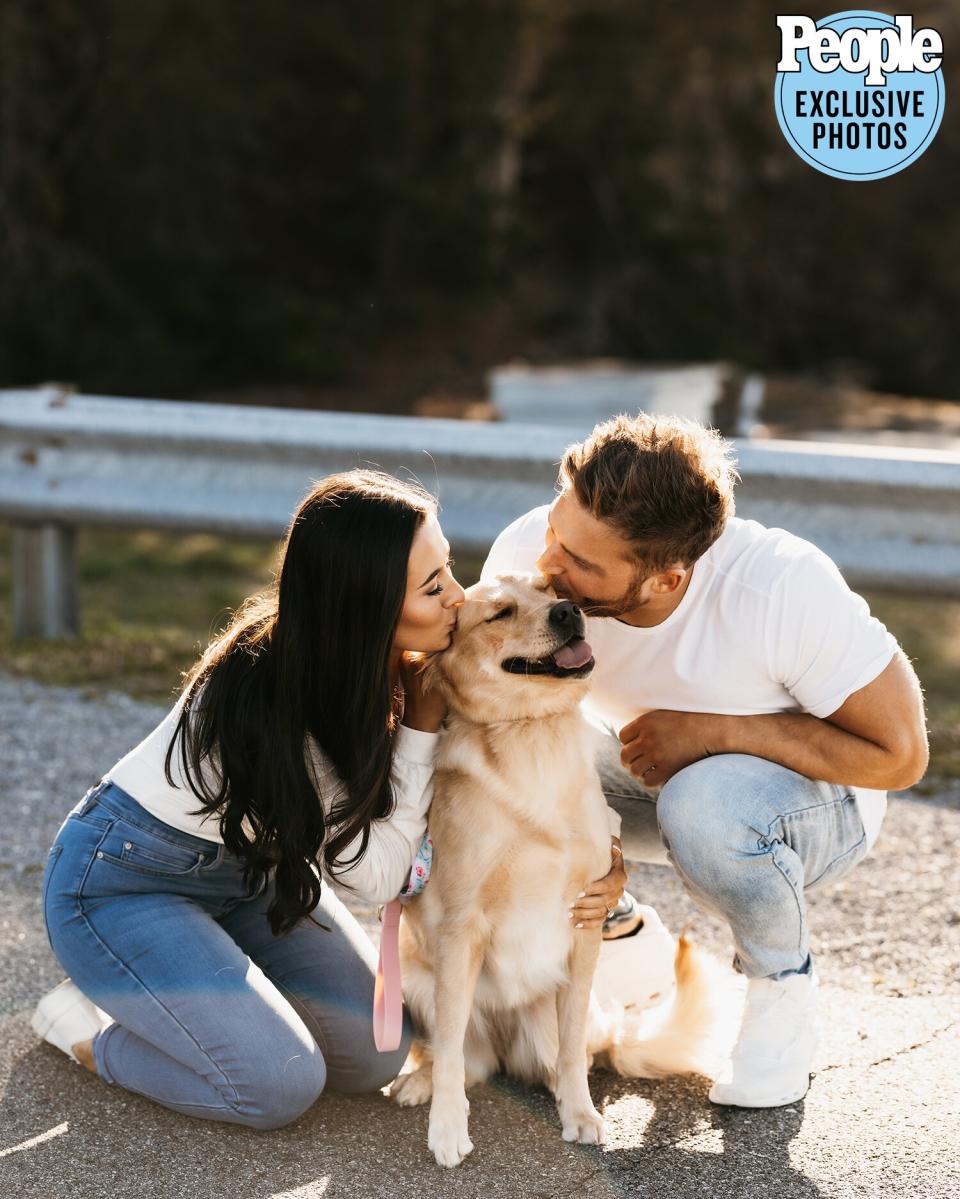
65, 1016
770, 1063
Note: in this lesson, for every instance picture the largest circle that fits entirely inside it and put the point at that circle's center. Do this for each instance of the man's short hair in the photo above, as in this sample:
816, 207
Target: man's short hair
664, 483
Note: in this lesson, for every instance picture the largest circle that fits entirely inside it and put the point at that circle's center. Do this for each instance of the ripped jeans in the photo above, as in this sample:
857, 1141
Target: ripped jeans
214, 1016
748, 839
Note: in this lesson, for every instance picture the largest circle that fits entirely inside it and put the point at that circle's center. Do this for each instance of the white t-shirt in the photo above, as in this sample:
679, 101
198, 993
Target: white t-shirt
385, 866
767, 624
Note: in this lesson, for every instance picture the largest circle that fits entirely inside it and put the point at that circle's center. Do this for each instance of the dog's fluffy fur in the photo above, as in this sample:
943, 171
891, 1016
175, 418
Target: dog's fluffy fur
494, 974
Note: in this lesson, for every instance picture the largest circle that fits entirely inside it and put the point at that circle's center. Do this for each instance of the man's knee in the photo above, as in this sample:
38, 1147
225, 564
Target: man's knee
697, 797
706, 816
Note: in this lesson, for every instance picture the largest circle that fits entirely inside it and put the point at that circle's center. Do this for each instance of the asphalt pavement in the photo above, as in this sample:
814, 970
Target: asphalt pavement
882, 1117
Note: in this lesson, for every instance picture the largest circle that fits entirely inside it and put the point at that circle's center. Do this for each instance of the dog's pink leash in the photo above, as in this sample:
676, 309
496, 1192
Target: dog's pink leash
388, 989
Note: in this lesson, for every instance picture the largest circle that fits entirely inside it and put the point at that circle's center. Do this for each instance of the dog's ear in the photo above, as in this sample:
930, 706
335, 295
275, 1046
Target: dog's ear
432, 673
427, 667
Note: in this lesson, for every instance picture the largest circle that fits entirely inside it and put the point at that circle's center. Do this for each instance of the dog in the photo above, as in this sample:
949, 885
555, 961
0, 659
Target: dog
495, 976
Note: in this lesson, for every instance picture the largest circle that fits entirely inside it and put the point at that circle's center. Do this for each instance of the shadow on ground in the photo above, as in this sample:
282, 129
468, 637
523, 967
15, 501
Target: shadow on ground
666, 1140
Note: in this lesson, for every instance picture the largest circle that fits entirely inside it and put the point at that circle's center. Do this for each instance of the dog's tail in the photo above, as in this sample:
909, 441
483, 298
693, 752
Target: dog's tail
692, 1035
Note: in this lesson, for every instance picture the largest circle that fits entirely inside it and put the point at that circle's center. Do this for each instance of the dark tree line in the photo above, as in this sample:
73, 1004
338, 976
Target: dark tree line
196, 193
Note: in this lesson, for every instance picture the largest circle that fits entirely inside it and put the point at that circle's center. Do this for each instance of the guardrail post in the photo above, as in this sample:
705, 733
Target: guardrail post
45, 581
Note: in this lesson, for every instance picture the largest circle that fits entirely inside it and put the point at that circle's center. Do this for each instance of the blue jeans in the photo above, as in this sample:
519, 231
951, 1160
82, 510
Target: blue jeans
748, 838
215, 1016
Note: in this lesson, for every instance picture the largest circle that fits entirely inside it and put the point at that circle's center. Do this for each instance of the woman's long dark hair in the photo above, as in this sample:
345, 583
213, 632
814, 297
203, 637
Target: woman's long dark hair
309, 656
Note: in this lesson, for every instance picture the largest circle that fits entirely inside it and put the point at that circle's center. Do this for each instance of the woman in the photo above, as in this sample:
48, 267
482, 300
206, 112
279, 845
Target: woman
209, 968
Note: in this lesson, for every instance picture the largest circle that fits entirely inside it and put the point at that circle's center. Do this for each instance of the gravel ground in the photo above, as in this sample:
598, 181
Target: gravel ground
881, 1117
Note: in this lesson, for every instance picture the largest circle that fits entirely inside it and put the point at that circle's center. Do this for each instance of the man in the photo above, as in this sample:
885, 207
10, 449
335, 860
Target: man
756, 701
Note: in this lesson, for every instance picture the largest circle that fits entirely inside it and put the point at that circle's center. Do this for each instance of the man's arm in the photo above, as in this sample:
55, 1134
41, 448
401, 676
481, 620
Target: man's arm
877, 738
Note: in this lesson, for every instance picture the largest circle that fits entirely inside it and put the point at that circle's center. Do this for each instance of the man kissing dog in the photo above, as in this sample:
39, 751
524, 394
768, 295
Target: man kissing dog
757, 712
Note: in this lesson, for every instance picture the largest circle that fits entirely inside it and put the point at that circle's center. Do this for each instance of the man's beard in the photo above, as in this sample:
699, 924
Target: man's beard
612, 608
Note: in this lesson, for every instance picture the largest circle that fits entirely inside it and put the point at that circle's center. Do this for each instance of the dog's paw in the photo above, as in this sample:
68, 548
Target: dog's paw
410, 1090
448, 1138
582, 1122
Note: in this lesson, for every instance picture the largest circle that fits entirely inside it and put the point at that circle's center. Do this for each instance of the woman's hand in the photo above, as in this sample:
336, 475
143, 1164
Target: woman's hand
423, 710
596, 899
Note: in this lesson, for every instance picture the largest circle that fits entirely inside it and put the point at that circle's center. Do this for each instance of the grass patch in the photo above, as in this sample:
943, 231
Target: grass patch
151, 601
149, 604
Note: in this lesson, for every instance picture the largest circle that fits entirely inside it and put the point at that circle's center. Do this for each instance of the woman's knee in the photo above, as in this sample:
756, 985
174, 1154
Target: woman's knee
280, 1091
374, 1070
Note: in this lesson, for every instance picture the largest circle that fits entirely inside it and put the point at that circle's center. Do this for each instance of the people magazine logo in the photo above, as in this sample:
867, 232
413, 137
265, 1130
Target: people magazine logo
858, 95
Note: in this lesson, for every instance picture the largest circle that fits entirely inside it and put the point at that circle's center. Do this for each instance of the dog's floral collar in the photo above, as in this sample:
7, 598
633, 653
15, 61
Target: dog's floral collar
420, 870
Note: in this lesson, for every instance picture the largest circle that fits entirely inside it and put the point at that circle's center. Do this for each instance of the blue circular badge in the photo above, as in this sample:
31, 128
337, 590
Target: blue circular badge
856, 94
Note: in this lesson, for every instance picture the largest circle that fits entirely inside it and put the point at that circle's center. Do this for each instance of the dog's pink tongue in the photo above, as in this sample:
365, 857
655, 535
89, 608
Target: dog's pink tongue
577, 653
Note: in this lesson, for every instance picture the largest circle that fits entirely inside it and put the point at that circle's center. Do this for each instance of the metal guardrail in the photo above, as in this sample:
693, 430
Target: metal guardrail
888, 517
588, 392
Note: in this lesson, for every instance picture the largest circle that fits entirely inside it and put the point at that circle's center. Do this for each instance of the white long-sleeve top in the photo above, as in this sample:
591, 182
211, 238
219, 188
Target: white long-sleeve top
385, 866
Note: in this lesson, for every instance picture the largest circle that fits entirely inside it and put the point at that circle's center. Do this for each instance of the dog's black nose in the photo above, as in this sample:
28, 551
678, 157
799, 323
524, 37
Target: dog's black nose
566, 618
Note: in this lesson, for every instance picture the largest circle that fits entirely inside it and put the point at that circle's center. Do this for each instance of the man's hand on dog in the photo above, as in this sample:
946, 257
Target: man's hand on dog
658, 744
597, 898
